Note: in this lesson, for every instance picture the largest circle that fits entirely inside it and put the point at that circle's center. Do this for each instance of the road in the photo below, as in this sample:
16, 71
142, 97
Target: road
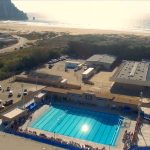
21, 41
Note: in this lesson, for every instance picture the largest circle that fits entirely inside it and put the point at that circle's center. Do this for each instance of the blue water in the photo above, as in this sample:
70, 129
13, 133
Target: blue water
83, 124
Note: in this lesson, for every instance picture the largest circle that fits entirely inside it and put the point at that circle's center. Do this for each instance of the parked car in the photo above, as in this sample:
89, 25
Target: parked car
8, 88
55, 60
85, 67
2, 107
76, 69
0, 101
0, 87
62, 58
8, 102
25, 92
10, 94
19, 94
50, 62
50, 66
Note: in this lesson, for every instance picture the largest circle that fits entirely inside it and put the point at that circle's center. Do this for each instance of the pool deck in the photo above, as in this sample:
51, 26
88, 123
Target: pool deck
127, 125
144, 136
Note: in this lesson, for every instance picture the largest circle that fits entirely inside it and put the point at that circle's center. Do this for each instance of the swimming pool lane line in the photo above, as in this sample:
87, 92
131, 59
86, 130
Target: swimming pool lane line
77, 126
83, 135
66, 120
91, 123
42, 118
101, 132
39, 117
109, 138
71, 125
94, 132
106, 134
49, 126
116, 133
66, 124
47, 119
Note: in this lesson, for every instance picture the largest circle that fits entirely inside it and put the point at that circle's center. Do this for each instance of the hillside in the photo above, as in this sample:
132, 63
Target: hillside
8, 11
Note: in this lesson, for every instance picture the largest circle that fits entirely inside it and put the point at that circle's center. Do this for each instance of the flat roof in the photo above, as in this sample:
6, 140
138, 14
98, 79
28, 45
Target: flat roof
13, 113
40, 95
45, 76
126, 100
87, 71
104, 58
132, 72
72, 62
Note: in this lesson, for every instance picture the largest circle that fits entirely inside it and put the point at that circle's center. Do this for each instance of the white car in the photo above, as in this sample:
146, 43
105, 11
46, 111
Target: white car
19, 94
25, 92
0, 87
10, 93
85, 67
2, 107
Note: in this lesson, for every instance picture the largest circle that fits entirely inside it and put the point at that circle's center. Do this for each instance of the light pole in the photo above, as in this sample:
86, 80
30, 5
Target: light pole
36, 83
22, 95
54, 135
139, 104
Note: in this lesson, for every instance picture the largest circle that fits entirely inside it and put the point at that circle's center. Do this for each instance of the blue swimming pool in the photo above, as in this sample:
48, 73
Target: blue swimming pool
79, 123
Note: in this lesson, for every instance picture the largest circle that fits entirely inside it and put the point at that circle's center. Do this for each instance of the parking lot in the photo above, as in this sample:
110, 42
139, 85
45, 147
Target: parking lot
15, 87
100, 80
59, 69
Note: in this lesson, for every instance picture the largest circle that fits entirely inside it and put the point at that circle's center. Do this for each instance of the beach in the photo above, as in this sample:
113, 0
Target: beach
25, 28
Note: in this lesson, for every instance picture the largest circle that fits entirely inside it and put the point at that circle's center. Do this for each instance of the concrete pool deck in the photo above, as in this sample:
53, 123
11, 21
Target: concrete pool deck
127, 125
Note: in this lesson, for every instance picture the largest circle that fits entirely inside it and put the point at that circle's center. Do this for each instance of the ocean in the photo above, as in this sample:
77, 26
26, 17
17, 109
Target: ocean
96, 14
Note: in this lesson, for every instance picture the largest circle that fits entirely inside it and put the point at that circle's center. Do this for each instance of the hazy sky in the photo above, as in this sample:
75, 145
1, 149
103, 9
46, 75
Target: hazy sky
89, 12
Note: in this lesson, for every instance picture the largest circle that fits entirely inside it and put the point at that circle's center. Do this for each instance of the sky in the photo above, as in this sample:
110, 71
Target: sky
98, 13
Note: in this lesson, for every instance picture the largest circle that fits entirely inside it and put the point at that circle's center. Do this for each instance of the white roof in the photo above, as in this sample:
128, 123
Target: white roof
64, 80
40, 95
13, 113
29, 103
87, 71
73, 62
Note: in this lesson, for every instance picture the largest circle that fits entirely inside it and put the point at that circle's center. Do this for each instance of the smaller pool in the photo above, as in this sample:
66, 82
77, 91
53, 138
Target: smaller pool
83, 124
